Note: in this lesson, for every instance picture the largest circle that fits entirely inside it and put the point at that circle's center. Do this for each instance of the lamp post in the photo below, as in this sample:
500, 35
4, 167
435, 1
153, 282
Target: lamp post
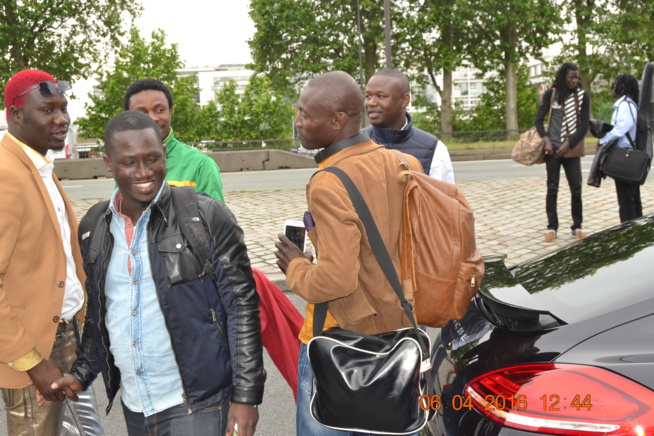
387, 26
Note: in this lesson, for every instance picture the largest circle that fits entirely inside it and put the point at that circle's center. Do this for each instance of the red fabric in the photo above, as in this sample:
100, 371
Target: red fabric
280, 326
21, 82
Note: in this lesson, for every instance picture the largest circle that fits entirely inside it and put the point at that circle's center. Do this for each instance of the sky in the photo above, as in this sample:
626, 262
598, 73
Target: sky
207, 33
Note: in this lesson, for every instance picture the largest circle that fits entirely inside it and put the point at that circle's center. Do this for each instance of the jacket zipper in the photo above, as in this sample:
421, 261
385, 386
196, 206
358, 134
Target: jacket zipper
101, 318
163, 312
220, 330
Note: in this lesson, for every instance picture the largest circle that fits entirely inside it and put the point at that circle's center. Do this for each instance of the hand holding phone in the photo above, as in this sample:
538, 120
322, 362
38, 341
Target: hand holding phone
295, 231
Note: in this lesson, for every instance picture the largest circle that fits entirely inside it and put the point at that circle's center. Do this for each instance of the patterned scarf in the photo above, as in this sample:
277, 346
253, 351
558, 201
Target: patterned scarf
571, 108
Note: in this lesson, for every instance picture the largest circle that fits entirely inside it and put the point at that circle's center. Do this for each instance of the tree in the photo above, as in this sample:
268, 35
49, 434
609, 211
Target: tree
298, 39
607, 38
257, 114
140, 59
67, 39
431, 40
504, 32
489, 114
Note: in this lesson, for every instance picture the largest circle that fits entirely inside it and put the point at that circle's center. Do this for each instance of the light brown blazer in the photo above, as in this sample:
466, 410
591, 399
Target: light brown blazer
32, 262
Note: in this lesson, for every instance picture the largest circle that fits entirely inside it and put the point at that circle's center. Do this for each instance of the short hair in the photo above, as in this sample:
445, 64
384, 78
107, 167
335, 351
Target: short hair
397, 74
145, 85
340, 92
626, 84
128, 120
21, 82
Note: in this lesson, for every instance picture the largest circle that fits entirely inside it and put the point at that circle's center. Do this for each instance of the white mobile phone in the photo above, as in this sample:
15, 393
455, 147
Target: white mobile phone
295, 231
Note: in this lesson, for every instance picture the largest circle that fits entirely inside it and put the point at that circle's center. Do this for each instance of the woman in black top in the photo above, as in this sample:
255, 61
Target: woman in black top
569, 113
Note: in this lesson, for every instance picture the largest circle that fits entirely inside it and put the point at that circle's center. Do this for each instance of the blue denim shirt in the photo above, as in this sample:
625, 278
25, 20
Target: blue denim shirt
140, 342
625, 113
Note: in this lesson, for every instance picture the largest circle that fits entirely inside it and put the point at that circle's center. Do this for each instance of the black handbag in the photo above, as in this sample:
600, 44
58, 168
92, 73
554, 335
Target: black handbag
626, 164
370, 383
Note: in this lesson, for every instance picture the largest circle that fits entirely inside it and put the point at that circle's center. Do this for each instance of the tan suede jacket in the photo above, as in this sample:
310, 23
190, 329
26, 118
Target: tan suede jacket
32, 262
347, 274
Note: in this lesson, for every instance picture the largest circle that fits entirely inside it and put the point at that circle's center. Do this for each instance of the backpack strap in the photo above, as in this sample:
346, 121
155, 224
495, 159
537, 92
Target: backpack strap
90, 227
185, 203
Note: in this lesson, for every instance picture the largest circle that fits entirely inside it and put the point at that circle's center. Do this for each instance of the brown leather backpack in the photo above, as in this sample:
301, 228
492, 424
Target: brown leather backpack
441, 266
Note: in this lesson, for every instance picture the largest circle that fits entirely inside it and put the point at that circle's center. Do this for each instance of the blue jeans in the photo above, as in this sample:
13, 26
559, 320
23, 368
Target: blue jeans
176, 421
304, 423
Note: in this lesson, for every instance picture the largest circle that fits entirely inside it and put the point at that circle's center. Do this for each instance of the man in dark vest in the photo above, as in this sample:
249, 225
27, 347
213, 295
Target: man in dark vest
386, 100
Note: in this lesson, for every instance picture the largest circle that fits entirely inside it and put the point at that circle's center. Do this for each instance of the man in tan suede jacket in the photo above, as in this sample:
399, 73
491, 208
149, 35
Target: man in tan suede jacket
41, 275
347, 274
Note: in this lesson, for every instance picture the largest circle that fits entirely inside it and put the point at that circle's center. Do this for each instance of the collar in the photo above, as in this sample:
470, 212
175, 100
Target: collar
406, 122
170, 135
114, 203
387, 136
37, 158
621, 99
340, 146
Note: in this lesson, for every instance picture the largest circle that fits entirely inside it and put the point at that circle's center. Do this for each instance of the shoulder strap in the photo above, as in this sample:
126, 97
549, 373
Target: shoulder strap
91, 218
385, 262
91, 227
631, 141
185, 202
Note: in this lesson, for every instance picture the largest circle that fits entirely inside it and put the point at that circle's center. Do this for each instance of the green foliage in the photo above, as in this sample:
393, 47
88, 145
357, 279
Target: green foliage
257, 114
426, 115
68, 39
141, 59
298, 39
603, 105
608, 38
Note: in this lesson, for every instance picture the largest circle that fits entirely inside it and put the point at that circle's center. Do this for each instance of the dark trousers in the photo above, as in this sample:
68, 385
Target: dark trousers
572, 168
629, 200
176, 421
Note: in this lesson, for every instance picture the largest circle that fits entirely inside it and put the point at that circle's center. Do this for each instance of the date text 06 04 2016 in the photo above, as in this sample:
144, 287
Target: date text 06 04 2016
551, 402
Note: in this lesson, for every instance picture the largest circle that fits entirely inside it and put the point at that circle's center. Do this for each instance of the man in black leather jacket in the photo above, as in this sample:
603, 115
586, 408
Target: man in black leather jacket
163, 304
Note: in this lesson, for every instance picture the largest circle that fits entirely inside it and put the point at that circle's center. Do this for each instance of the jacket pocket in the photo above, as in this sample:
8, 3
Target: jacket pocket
180, 264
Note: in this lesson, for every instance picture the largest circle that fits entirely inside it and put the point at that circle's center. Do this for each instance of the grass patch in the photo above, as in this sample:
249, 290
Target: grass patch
478, 145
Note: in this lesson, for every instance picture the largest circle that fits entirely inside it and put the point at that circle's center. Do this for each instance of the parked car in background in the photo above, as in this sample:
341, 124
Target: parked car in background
560, 345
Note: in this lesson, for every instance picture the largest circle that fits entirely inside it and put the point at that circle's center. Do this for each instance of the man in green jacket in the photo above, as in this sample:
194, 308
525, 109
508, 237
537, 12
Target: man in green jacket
185, 165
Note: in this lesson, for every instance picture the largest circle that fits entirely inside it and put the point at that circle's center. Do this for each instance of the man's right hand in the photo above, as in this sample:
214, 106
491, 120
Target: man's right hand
549, 148
68, 385
42, 377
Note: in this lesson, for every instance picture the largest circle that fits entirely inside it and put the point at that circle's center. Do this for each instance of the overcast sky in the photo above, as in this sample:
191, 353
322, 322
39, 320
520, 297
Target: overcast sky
208, 33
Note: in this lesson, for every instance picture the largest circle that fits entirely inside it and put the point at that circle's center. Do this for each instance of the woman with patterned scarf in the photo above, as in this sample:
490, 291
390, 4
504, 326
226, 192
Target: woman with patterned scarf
569, 112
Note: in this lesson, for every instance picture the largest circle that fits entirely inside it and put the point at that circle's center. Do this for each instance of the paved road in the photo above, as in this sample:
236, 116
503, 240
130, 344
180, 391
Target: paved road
296, 179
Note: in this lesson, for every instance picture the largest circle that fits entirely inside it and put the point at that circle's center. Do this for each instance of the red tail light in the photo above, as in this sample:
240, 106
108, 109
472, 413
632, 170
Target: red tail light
564, 400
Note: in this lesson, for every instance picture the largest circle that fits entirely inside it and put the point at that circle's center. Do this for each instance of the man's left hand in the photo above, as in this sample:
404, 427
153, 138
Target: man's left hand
287, 251
245, 415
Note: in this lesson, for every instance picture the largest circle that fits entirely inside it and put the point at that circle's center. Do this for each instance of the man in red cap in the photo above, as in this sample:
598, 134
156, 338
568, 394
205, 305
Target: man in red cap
41, 274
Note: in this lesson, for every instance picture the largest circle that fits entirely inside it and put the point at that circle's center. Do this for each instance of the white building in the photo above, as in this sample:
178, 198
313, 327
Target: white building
468, 85
212, 79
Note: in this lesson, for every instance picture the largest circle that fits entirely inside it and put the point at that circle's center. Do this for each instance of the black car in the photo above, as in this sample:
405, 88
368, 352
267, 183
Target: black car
560, 345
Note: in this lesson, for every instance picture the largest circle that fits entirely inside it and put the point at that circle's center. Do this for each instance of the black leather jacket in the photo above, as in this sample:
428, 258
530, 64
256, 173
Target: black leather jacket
215, 330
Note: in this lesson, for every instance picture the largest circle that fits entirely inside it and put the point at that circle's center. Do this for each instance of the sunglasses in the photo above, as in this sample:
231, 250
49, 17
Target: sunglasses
47, 89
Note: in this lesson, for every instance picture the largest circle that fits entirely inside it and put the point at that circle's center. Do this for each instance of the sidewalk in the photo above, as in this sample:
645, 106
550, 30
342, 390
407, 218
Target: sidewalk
510, 216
